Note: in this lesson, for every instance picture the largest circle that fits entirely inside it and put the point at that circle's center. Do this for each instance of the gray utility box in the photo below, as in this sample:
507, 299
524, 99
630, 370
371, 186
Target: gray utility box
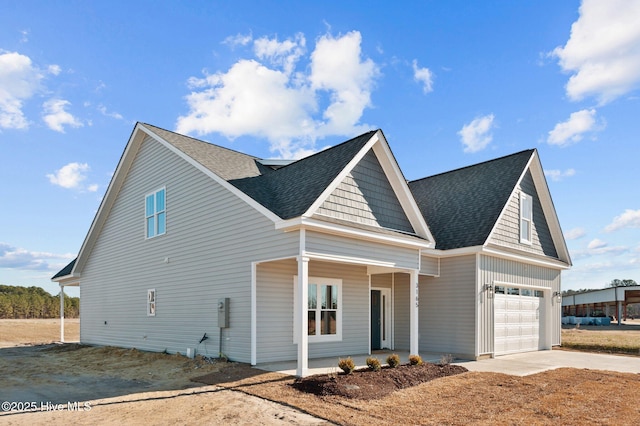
223, 312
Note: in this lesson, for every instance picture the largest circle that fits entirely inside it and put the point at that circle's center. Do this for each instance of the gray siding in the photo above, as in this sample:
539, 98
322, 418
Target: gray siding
336, 245
447, 308
507, 231
401, 308
492, 269
430, 266
366, 196
212, 237
275, 292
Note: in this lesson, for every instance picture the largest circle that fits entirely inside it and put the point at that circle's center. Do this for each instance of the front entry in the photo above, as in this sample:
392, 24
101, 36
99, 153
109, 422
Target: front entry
380, 323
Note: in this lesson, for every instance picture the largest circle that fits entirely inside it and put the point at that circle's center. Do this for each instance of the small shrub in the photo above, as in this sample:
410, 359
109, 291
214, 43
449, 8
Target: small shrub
347, 365
446, 359
393, 360
415, 360
373, 363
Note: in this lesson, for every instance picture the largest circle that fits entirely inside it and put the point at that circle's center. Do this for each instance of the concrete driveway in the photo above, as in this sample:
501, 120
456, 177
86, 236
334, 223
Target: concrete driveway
524, 364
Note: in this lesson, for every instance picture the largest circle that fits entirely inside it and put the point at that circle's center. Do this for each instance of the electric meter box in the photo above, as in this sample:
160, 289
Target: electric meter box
223, 312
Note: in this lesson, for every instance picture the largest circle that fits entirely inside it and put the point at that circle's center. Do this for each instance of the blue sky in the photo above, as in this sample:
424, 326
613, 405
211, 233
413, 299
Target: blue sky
451, 83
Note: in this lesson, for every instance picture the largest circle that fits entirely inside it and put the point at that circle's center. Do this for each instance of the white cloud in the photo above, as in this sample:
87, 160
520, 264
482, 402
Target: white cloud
103, 111
603, 51
238, 40
283, 54
424, 76
596, 244
268, 98
54, 69
18, 258
558, 175
56, 117
575, 233
336, 67
19, 81
477, 135
628, 219
72, 176
598, 247
573, 130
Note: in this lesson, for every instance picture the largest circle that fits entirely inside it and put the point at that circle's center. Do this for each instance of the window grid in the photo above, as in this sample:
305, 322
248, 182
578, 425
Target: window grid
324, 304
155, 213
526, 218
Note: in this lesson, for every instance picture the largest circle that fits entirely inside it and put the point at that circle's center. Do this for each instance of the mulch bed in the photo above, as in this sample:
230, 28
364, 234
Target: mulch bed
366, 384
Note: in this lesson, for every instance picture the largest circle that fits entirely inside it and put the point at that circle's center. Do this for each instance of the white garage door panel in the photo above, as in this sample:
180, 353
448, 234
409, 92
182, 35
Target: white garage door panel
517, 323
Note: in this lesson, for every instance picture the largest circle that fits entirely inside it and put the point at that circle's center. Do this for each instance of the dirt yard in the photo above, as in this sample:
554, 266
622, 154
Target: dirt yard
116, 386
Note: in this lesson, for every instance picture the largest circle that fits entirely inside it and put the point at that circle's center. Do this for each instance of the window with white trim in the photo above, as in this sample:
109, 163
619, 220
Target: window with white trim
151, 303
526, 218
155, 213
324, 309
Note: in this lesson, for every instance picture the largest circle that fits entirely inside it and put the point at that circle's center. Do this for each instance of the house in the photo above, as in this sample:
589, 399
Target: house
200, 248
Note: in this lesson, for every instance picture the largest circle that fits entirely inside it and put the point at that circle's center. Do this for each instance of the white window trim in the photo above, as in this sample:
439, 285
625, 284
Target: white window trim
319, 337
523, 197
155, 213
151, 302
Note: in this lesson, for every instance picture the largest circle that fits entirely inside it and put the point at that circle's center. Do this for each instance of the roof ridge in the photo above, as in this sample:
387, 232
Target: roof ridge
202, 141
328, 149
531, 150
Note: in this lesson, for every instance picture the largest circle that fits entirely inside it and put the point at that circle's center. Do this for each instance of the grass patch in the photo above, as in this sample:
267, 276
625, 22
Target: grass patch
602, 340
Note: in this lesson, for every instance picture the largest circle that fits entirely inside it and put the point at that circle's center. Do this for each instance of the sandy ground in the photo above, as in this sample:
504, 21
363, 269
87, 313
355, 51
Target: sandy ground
49, 384
69, 384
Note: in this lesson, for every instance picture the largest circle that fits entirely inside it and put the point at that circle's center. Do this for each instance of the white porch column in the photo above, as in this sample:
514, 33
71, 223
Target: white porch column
303, 318
61, 313
413, 313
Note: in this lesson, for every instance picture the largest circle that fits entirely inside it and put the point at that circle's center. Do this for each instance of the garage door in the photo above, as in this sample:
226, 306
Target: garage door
518, 319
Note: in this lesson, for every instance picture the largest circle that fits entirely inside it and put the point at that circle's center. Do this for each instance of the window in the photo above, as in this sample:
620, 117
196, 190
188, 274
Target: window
526, 218
155, 213
151, 303
324, 309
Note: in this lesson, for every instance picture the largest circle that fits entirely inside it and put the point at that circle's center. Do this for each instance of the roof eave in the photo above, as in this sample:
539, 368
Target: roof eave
312, 224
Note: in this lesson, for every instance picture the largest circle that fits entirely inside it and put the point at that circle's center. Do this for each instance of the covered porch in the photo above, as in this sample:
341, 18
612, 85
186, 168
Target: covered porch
311, 310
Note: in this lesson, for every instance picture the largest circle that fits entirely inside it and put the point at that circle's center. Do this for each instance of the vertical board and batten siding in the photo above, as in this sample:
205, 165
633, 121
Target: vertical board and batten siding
211, 238
275, 294
447, 308
366, 196
336, 245
492, 270
507, 231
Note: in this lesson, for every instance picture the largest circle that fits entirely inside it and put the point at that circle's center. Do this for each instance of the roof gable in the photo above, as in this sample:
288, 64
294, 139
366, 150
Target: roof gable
290, 190
365, 196
462, 206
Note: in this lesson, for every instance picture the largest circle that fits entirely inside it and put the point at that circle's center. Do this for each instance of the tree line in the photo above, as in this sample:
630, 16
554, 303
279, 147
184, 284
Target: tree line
34, 302
613, 283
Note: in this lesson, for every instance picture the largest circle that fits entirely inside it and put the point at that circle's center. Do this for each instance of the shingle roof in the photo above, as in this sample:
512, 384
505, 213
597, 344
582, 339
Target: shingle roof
226, 163
66, 270
288, 191
292, 189
462, 206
